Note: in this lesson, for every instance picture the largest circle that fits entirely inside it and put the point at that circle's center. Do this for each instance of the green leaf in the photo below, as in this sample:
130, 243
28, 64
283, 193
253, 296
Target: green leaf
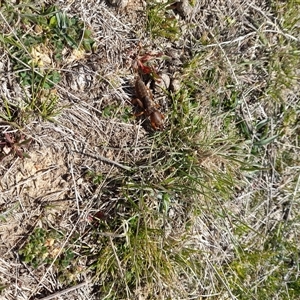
266, 141
262, 123
53, 22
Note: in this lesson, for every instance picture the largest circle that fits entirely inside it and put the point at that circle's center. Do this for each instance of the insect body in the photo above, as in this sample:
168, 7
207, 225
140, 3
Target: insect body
144, 100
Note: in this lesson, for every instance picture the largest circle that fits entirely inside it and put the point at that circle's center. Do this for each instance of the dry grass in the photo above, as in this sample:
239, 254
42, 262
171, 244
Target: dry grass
105, 208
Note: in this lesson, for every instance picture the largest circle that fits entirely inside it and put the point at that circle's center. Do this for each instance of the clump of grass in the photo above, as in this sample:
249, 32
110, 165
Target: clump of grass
37, 46
161, 23
43, 248
268, 272
134, 252
40, 247
137, 258
191, 168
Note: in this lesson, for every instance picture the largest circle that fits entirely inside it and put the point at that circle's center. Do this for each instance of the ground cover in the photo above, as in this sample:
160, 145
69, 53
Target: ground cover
96, 204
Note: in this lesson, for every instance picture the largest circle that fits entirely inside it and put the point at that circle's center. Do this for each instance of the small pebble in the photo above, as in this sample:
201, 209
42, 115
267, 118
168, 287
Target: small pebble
175, 85
184, 8
164, 82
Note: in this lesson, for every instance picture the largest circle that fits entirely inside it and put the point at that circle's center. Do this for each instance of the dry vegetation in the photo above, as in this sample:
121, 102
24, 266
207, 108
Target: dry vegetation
95, 204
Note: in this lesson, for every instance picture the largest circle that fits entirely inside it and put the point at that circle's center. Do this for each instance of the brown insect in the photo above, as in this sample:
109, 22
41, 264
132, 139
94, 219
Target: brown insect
144, 100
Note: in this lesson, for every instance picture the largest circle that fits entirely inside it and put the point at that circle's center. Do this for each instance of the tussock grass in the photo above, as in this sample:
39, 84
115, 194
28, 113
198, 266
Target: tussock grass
207, 208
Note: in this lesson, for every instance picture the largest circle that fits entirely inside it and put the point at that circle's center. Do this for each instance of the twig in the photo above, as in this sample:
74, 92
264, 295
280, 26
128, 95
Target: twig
113, 163
107, 160
59, 293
